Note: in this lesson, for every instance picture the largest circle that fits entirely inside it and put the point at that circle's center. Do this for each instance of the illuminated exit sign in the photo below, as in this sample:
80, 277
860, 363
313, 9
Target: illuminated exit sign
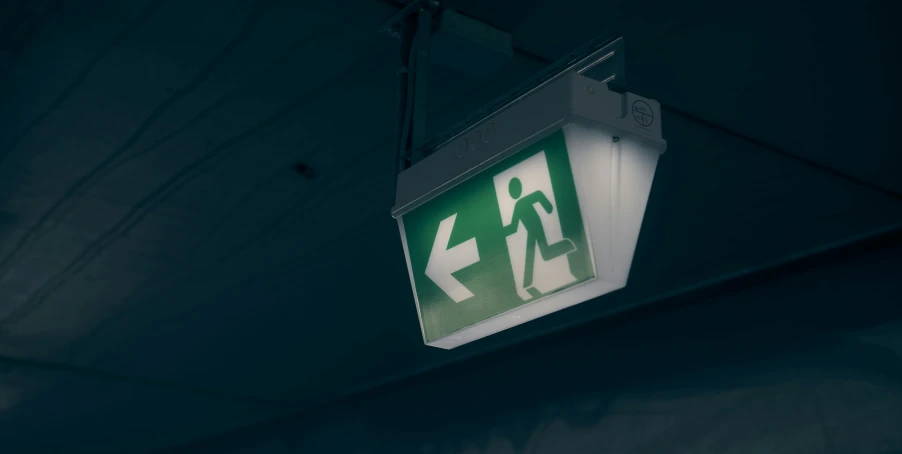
536, 208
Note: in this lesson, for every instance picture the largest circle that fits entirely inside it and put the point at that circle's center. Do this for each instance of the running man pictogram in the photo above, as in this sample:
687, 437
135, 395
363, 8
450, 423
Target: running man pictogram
525, 212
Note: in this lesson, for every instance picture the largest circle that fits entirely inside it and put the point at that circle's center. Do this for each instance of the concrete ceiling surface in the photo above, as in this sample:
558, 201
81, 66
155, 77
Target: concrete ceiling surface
45, 411
737, 370
152, 227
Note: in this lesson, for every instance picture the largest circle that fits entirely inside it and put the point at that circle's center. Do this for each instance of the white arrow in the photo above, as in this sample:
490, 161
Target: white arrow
444, 260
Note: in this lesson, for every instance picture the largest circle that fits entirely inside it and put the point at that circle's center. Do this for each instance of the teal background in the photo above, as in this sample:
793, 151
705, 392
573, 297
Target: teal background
491, 279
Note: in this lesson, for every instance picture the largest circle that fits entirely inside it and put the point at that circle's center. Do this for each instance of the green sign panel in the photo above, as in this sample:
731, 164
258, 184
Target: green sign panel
506, 237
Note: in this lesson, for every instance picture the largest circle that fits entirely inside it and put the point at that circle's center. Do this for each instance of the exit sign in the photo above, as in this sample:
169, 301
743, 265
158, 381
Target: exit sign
535, 209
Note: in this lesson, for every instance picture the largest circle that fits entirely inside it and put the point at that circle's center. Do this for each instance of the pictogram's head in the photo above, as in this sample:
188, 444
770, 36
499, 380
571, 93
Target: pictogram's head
515, 188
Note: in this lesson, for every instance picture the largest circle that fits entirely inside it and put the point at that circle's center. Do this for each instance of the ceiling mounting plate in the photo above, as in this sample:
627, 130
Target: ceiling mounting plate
392, 26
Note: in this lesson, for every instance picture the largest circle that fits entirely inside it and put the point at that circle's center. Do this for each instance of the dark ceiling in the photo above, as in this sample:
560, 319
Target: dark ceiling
161, 255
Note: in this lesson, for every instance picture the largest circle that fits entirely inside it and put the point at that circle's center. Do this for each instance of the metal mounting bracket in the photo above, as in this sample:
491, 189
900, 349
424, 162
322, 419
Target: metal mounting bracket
392, 26
601, 59
416, 17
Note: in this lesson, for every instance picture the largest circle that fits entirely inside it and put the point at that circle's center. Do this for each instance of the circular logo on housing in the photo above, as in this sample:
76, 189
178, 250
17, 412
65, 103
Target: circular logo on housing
643, 114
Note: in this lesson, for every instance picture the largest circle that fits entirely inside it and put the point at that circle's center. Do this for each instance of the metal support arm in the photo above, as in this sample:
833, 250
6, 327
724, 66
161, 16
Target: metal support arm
413, 26
601, 58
